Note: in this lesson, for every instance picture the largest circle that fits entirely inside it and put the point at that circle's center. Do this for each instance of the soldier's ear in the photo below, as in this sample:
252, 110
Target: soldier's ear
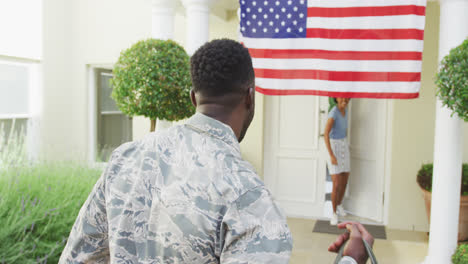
250, 98
193, 98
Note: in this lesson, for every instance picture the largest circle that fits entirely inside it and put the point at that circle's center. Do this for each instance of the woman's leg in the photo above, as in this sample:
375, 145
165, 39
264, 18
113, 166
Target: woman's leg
343, 182
335, 191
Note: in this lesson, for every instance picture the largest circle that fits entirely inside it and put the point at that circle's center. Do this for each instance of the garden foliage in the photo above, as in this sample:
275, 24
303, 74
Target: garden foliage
452, 81
461, 255
424, 178
152, 79
38, 206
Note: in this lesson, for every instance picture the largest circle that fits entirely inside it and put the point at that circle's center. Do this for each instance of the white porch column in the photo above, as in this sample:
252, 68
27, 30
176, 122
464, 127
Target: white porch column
447, 146
198, 23
163, 19
163, 15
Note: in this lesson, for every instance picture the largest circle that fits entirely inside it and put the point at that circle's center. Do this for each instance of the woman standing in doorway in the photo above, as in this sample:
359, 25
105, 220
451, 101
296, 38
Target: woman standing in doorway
338, 148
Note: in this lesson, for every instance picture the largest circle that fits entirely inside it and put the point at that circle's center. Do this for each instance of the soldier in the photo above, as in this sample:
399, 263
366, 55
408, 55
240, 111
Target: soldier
185, 195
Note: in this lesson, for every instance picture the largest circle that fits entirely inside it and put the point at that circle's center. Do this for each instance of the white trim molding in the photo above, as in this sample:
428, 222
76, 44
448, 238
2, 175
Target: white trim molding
92, 118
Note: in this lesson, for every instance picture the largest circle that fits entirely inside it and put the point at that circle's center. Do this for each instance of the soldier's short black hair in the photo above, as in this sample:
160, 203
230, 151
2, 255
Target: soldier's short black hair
221, 67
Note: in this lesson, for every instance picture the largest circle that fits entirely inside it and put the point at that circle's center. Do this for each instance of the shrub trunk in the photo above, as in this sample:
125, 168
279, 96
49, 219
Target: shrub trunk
153, 126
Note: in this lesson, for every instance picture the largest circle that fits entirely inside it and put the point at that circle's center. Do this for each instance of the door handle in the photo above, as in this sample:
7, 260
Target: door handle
322, 112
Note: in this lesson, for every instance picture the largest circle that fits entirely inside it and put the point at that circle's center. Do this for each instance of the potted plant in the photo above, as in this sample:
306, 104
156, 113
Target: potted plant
424, 180
461, 255
152, 79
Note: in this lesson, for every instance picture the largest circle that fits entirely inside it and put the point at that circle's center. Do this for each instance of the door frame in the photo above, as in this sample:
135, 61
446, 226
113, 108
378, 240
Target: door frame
388, 158
387, 168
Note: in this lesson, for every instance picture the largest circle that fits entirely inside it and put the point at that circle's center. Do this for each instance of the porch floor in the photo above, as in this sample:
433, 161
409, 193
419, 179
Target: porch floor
399, 247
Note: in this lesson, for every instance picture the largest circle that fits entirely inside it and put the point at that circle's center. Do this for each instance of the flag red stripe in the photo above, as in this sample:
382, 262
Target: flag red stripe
339, 76
365, 33
334, 55
338, 94
366, 11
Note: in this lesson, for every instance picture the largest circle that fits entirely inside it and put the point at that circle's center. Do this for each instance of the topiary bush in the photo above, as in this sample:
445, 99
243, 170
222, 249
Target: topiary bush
452, 81
38, 207
424, 178
461, 255
152, 79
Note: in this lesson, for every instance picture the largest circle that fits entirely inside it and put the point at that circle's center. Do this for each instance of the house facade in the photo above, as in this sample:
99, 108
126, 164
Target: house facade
74, 44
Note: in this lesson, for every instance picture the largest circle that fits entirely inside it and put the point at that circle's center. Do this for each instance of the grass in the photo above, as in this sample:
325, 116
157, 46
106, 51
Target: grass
38, 206
39, 201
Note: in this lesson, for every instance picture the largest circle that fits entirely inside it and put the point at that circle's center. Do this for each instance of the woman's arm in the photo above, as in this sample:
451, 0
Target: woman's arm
326, 137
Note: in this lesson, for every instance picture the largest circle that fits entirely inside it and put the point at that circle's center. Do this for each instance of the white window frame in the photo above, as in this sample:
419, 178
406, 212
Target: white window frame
93, 71
35, 103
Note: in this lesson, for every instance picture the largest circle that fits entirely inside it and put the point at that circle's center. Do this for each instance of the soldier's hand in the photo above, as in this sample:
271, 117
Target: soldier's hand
355, 247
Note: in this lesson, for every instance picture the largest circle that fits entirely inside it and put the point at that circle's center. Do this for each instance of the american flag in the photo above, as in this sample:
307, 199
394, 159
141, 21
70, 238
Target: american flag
338, 48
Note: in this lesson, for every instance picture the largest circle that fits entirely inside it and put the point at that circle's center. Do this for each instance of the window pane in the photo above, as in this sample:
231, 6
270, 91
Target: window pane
17, 133
14, 89
114, 130
107, 104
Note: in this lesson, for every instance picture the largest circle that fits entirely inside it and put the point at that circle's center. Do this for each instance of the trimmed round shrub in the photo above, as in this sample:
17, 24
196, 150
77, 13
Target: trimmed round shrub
152, 79
452, 81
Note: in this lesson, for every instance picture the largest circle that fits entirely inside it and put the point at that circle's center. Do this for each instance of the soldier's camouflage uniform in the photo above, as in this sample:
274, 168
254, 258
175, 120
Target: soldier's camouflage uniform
184, 195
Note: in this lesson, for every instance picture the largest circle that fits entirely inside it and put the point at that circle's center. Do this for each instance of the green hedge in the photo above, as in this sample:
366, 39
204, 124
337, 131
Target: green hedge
38, 206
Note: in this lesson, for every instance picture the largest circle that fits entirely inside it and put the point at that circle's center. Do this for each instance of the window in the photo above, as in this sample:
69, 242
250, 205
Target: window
113, 127
19, 102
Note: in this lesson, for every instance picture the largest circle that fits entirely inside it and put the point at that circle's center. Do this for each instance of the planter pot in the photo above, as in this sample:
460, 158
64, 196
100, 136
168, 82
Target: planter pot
463, 217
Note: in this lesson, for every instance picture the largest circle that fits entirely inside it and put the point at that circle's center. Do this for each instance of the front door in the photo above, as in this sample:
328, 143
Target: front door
295, 156
367, 139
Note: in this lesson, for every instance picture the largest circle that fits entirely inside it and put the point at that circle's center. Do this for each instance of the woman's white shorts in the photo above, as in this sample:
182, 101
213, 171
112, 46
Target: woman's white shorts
340, 148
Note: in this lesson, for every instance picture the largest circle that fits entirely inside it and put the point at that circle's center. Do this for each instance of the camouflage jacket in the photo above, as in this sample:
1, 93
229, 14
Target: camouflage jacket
183, 195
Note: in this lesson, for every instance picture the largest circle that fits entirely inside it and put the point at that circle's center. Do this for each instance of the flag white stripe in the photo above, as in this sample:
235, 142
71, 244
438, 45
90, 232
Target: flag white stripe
358, 3
333, 86
338, 65
335, 44
378, 22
